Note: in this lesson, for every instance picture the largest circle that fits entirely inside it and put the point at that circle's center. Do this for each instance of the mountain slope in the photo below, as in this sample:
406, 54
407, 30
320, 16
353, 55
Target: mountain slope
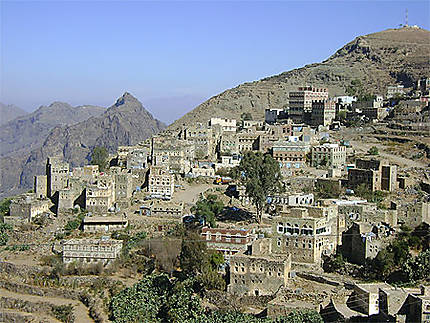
124, 123
29, 131
378, 60
9, 112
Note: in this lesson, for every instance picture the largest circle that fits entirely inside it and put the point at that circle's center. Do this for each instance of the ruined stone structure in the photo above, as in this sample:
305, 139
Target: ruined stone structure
25, 207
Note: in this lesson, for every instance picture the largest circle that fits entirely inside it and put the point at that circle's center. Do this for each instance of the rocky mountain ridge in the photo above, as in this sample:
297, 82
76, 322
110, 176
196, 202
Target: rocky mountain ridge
126, 122
29, 131
9, 112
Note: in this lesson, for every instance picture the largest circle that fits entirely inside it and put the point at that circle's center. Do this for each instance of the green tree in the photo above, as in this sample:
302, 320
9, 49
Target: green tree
246, 116
4, 206
4, 229
208, 208
341, 115
300, 316
193, 257
100, 157
64, 313
373, 151
261, 176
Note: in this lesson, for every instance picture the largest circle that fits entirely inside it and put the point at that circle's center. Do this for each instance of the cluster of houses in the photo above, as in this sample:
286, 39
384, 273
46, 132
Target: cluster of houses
301, 230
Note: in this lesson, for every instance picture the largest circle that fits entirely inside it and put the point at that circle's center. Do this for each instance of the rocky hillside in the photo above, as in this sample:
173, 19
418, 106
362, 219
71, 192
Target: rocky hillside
378, 60
124, 123
29, 131
9, 112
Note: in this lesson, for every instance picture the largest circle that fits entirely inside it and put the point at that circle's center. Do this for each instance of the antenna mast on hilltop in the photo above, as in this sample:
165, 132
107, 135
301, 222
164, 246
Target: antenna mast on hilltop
406, 18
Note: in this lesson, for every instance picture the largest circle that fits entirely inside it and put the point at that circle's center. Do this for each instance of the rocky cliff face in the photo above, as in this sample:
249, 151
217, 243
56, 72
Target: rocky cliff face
9, 112
124, 123
378, 60
29, 131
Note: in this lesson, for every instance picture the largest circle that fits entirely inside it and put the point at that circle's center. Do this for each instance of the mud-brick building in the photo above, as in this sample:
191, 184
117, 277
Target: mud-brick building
91, 250
258, 271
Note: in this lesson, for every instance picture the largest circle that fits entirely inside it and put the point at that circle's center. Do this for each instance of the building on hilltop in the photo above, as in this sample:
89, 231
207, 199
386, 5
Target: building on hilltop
300, 102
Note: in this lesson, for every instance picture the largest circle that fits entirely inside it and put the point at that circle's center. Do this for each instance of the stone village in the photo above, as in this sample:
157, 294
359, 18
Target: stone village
148, 183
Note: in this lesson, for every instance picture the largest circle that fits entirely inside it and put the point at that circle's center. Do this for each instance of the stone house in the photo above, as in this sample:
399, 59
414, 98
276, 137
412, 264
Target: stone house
100, 194
260, 272
57, 172
359, 243
332, 155
323, 112
417, 306
163, 209
300, 102
227, 125
308, 233
161, 183
88, 251
95, 224
228, 241
26, 207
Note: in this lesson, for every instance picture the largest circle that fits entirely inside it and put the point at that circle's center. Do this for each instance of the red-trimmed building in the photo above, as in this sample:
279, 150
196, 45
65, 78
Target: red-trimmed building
228, 241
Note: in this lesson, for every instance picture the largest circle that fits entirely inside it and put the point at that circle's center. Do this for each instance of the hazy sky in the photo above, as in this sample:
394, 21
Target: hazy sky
172, 55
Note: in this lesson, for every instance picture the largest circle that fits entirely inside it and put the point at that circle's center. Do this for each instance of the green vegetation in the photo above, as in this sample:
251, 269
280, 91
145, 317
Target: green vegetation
18, 247
73, 224
373, 151
356, 89
100, 157
261, 176
64, 313
208, 209
341, 115
396, 264
374, 197
246, 116
157, 299
327, 190
4, 229
4, 207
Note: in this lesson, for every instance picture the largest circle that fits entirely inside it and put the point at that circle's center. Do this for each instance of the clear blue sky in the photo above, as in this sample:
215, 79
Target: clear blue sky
172, 55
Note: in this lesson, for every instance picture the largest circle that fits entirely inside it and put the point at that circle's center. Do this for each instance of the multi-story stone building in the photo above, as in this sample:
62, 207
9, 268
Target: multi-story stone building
247, 141
417, 306
308, 233
359, 243
165, 209
392, 91
293, 199
228, 241
229, 143
100, 194
41, 186
25, 207
161, 183
290, 154
202, 137
227, 125
228, 162
300, 102
202, 172
260, 272
94, 224
414, 213
330, 155
323, 112
57, 172
137, 158
375, 174
123, 183
89, 251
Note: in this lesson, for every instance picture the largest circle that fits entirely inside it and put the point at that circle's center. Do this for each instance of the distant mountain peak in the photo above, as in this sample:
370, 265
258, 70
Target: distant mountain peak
126, 98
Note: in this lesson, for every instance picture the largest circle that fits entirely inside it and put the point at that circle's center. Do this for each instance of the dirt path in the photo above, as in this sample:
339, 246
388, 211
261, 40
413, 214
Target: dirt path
191, 193
80, 311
